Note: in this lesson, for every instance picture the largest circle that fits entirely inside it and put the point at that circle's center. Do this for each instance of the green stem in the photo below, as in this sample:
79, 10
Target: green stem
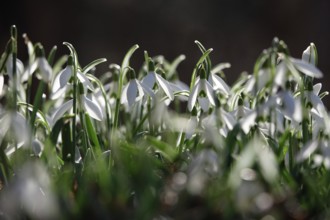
74, 106
37, 103
291, 153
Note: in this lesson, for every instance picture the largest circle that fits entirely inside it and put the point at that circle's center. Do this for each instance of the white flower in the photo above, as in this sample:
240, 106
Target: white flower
92, 109
30, 191
15, 123
60, 84
217, 82
314, 99
202, 89
19, 68
306, 68
40, 63
45, 69
191, 127
152, 77
134, 91
289, 106
310, 54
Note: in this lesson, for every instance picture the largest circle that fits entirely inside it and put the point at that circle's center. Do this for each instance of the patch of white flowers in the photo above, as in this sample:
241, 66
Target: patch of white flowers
278, 101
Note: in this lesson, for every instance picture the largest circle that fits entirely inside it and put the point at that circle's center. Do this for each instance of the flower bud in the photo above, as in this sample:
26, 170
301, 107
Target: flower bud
310, 54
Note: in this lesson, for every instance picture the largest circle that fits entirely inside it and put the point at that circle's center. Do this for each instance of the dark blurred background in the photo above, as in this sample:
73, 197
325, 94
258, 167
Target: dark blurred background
237, 30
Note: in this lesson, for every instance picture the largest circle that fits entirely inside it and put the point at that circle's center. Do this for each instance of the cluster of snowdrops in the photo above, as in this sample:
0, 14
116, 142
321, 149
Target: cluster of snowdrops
142, 144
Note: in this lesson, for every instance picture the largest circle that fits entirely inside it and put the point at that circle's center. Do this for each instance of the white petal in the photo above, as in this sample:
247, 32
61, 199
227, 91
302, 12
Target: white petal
288, 104
309, 55
147, 90
85, 81
132, 92
317, 88
218, 83
180, 86
9, 66
307, 150
60, 111
249, 85
280, 76
5, 122
62, 78
248, 121
165, 86
30, 70
264, 77
92, 108
228, 119
204, 103
1, 83
45, 69
193, 97
123, 98
206, 86
297, 115
140, 91
60, 92
317, 102
307, 68
149, 80
191, 127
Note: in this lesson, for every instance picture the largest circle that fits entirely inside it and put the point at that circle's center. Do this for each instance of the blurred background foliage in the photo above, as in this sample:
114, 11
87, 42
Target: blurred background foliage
238, 30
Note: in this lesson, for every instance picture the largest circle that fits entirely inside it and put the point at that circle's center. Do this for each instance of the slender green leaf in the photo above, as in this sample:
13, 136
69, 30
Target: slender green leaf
91, 132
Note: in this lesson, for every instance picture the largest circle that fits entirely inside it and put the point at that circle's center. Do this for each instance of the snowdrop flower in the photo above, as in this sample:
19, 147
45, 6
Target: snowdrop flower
40, 63
191, 125
15, 123
19, 69
313, 99
30, 192
289, 106
152, 78
310, 54
60, 84
241, 110
134, 91
92, 108
216, 81
202, 90
20, 76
